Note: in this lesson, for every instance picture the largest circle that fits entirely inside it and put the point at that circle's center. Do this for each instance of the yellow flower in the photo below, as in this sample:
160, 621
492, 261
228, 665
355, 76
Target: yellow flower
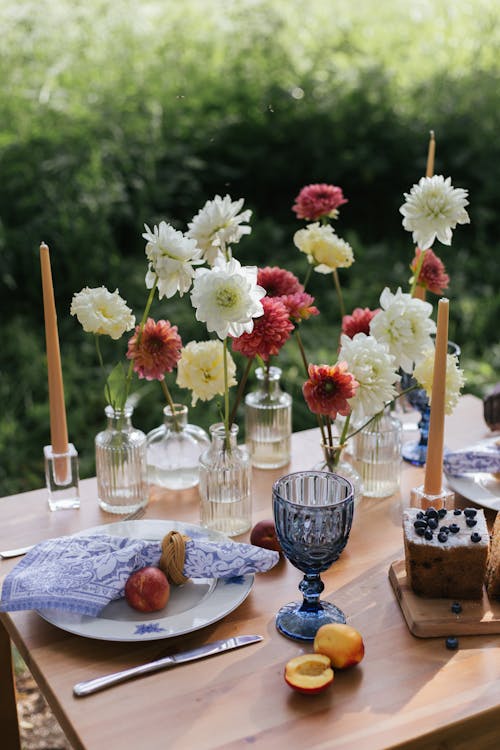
201, 369
455, 379
324, 249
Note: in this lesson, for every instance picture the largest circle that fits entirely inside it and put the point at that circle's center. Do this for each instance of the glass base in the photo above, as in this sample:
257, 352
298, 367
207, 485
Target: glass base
121, 510
414, 453
62, 479
301, 625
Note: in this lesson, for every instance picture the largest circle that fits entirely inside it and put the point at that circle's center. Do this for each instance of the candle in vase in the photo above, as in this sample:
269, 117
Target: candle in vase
430, 155
58, 428
434, 465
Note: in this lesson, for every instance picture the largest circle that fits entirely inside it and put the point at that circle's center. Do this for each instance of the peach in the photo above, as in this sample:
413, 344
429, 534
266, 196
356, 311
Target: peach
309, 673
263, 534
341, 643
147, 590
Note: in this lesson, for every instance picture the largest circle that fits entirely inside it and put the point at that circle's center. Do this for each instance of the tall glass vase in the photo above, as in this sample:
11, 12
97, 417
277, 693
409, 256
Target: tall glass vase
333, 460
120, 453
225, 484
174, 450
377, 455
268, 421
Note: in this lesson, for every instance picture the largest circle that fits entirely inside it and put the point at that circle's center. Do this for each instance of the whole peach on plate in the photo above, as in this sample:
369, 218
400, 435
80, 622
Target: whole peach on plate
341, 643
263, 534
147, 590
309, 673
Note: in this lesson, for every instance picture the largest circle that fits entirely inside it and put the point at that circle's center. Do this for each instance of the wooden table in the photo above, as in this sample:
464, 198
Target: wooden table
408, 692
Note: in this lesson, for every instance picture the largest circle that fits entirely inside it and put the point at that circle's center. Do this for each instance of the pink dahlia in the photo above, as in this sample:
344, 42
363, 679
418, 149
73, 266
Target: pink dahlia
328, 389
300, 305
277, 282
315, 201
270, 331
433, 274
358, 322
156, 351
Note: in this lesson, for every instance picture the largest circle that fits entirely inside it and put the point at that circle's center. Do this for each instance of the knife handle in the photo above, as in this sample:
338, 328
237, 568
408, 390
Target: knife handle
100, 683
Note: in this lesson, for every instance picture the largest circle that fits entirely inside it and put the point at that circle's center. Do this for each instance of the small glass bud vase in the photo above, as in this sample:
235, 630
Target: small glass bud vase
334, 462
174, 450
225, 484
268, 421
377, 455
120, 454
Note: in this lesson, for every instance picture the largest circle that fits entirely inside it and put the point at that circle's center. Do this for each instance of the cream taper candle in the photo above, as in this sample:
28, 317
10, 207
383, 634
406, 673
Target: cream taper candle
434, 464
58, 427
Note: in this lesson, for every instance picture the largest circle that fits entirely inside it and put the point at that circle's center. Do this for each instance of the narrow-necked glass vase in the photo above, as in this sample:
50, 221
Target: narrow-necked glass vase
225, 484
268, 421
174, 450
120, 454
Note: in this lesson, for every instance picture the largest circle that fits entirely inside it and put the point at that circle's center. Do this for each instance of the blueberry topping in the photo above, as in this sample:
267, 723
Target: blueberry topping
428, 534
471, 521
432, 513
443, 536
441, 512
420, 514
457, 512
452, 643
445, 529
432, 523
470, 512
475, 537
420, 524
454, 528
456, 608
420, 531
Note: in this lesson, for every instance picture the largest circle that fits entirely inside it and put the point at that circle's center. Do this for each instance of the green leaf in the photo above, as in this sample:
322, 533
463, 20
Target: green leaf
115, 388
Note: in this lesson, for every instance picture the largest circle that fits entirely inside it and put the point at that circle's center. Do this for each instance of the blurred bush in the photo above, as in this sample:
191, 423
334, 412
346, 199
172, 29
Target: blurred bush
120, 114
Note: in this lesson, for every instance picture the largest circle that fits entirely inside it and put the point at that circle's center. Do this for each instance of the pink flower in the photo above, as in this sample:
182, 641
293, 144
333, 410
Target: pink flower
358, 322
300, 305
328, 389
277, 282
433, 274
315, 201
156, 351
270, 331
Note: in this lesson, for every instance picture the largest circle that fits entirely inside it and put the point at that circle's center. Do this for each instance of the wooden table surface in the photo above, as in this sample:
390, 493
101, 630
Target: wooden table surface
408, 692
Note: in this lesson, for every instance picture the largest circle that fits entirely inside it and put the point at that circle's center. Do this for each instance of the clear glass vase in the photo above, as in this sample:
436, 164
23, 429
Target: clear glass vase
333, 461
268, 421
120, 453
377, 455
174, 450
225, 484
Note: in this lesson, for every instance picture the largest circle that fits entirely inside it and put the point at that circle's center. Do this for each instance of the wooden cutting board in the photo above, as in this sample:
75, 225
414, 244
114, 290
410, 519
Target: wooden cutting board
427, 618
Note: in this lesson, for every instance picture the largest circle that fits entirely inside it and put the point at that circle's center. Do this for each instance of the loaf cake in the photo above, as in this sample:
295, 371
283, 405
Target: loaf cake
493, 566
446, 552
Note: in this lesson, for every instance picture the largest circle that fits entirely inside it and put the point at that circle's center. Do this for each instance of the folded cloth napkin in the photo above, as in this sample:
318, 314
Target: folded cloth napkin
481, 458
84, 573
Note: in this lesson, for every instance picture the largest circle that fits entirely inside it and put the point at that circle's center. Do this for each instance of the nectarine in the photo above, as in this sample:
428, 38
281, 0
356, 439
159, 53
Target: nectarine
147, 590
341, 643
309, 673
263, 534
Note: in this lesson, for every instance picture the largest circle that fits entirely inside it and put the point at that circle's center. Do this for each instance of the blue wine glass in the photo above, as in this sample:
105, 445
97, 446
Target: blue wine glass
313, 516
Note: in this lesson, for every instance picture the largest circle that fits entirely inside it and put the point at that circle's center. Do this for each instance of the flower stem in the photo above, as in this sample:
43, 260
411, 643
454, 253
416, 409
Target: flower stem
307, 277
336, 281
302, 350
418, 268
379, 413
145, 314
101, 362
171, 404
226, 396
241, 388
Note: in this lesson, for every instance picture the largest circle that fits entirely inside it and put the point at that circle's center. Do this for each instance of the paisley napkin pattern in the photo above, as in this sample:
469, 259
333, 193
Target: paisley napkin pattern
481, 458
83, 574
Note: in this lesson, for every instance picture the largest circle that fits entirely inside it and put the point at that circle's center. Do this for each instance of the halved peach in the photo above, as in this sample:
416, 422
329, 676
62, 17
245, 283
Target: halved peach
309, 673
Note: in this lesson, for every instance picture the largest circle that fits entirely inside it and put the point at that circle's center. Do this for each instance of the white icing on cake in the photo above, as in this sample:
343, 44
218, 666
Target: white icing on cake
461, 538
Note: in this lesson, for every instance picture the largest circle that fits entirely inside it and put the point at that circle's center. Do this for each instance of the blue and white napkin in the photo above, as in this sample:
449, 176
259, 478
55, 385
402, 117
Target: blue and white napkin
83, 574
484, 457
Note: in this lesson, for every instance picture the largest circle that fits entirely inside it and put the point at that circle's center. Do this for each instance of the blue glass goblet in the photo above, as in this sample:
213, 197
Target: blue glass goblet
313, 516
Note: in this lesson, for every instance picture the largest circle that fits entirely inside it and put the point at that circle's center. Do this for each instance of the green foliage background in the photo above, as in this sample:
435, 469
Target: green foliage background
116, 114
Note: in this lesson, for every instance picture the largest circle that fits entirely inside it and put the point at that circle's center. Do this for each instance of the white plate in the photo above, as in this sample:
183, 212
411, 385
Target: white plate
483, 489
192, 606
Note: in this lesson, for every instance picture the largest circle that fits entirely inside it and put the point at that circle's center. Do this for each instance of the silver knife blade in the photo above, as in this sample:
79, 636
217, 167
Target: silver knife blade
209, 649
7, 553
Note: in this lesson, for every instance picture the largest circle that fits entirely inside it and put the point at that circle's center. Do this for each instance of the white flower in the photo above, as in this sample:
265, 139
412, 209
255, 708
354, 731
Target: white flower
201, 369
171, 257
103, 312
424, 373
227, 297
432, 209
324, 249
219, 224
405, 326
374, 369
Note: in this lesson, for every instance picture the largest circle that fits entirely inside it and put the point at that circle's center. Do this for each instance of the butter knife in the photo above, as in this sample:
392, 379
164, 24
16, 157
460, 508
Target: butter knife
209, 649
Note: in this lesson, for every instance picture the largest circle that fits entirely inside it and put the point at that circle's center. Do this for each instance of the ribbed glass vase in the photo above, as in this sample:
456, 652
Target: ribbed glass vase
334, 461
120, 453
268, 421
225, 484
377, 455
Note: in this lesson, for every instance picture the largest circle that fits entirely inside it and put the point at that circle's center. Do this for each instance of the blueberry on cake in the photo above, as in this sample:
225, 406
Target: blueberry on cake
493, 567
446, 552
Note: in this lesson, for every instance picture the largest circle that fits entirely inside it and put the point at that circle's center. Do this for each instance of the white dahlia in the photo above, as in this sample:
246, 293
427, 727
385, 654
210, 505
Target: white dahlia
102, 312
219, 224
171, 258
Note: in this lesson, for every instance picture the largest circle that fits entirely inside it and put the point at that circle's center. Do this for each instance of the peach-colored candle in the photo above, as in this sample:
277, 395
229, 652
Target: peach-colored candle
430, 155
58, 428
434, 465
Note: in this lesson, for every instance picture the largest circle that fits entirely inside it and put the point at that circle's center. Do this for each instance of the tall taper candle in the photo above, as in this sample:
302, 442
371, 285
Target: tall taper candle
434, 464
430, 156
58, 428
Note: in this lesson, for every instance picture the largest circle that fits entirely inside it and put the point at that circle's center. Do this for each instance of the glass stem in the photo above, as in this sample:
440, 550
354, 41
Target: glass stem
311, 587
